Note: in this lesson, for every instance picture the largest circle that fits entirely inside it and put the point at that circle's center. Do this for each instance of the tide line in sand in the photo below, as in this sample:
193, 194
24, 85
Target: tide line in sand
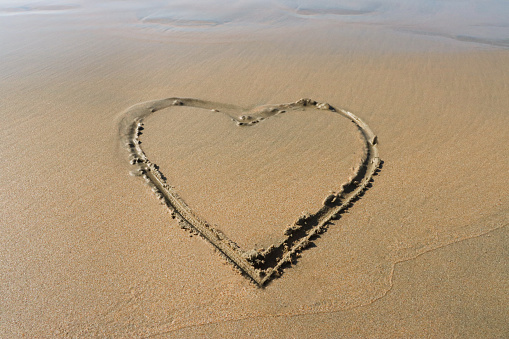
261, 266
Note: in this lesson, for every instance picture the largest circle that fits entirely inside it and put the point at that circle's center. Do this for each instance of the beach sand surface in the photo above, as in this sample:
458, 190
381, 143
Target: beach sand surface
88, 250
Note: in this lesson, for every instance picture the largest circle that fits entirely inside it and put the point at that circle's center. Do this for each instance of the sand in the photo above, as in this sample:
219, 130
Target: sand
89, 250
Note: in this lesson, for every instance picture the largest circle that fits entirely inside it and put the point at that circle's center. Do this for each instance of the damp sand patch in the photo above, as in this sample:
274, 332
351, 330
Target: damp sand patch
258, 264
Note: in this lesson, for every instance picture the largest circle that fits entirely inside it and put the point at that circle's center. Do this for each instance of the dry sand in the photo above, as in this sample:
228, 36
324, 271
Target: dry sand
88, 250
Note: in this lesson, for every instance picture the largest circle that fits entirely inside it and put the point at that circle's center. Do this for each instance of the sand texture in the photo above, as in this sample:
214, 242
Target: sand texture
124, 122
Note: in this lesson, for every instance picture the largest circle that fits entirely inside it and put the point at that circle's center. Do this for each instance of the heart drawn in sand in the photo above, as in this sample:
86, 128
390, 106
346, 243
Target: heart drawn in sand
259, 266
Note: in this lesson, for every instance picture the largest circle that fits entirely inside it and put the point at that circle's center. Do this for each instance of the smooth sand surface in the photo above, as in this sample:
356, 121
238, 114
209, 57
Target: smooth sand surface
425, 301
222, 171
88, 250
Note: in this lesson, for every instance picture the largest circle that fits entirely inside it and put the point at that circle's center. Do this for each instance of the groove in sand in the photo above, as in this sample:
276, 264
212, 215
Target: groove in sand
259, 266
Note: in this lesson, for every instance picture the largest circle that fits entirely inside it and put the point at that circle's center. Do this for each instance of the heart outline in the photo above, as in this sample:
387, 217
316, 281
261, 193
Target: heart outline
262, 267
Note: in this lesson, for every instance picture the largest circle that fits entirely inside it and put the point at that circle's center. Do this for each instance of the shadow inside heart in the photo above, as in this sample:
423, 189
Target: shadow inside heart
256, 166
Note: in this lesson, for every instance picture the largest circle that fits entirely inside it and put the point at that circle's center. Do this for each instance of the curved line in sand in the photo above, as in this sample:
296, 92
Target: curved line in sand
260, 267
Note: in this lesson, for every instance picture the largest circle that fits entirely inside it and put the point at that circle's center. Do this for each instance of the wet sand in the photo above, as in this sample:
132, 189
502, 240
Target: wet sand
89, 250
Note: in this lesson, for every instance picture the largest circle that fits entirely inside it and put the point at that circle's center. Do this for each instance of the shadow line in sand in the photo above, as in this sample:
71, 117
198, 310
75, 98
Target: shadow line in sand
259, 266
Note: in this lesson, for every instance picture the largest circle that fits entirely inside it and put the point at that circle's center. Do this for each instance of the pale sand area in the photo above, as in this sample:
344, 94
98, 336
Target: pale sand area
88, 250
